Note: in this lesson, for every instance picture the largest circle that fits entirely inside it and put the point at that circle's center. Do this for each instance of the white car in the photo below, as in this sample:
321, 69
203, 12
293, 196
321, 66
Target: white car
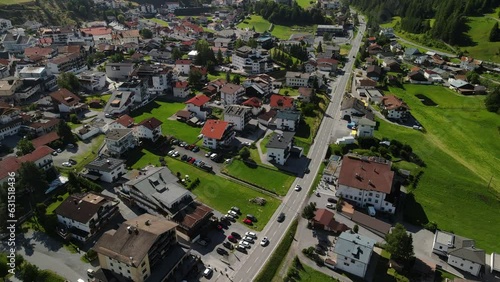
233, 213
67, 164
208, 154
171, 152
297, 187
207, 271
330, 206
251, 235
264, 241
248, 239
175, 154
245, 244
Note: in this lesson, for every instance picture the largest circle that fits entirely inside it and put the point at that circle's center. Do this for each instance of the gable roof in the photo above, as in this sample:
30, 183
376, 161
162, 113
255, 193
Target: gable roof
326, 218
354, 246
253, 102
354, 103
45, 139
391, 102
11, 163
288, 115
471, 254
214, 128
151, 123
181, 84
231, 88
82, 208
277, 101
198, 100
66, 97
374, 69
125, 120
366, 173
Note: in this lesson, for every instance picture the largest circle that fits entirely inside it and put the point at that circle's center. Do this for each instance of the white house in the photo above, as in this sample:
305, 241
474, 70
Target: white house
41, 156
353, 253
231, 93
119, 71
5, 25
197, 106
469, 64
149, 129
183, 66
255, 104
279, 147
181, 89
92, 81
297, 79
252, 61
217, 133
84, 215
367, 181
10, 120
105, 169
461, 252
287, 120
239, 116
66, 101
118, 141
365, 127
353, 109
394, 107
123, 122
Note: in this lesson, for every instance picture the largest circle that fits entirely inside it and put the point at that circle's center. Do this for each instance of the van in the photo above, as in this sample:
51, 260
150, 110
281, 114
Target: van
371, 211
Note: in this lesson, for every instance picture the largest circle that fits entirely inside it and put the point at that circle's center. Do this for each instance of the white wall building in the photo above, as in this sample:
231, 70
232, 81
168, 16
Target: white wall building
279, 147
149, 129
106, 169
118, 141
353, 252
239, 116
253, 61
297, 79
197, 106
231, 94
92, 81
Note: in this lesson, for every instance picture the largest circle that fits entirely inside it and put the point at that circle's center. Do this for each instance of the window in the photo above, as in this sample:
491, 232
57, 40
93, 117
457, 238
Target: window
471, 268
371, 194
376, 201
345, 263
144, 270
111, 264
143, 263
360, 193
352, 261
461, 264
128, 270
377, 195
440, 247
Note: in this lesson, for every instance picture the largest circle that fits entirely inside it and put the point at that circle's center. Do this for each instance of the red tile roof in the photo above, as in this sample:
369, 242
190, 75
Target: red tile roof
278, 101
151, 123
214, 128
95, 31
198, 101
326, 218
45, 139
366, 174
50, 123
12, 164
183, 62
327, 61
202, 70
181, 84
231, 88
392, 102
125, 120
30, 51
64, 96
253, 102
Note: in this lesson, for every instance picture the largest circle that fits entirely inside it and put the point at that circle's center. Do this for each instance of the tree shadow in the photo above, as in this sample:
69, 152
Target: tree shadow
413, 212
148, 108
133, 156
303, 130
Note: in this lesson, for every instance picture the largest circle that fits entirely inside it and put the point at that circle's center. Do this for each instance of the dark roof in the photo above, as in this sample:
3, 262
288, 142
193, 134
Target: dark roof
123, 245
45, 139
82, 208
374, 69
125, 120
281, 140
288, 115
471, 254
192, 215
117, 134
151, 123
354, 103
371, 222
366, 173
66, 97
326, 218
105, 164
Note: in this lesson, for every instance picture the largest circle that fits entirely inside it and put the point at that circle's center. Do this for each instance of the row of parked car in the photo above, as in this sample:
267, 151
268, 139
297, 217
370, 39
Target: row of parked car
191, 160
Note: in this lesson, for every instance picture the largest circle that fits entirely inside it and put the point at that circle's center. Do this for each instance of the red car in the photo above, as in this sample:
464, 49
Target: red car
219, 227
192, 160
247, 221
232, 239
189, 147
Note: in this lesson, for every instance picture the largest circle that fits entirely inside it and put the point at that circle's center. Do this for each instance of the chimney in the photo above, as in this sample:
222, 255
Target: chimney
148, 223
129, 229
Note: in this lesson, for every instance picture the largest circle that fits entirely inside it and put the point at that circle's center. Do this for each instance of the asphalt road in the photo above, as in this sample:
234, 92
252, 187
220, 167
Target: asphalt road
293, 202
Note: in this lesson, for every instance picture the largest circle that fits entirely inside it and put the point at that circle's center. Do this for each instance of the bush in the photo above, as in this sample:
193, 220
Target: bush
431, 226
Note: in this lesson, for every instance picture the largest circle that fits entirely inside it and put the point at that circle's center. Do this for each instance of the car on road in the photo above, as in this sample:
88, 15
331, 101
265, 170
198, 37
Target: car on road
248, 239
264, 242
332, 200
221, 251
233, 213
202, 242
330, 206
67, 164
228, 245
281, 217
232, 239
247, 221
207, 271
298, 187
236, 235
251, 234
252, 217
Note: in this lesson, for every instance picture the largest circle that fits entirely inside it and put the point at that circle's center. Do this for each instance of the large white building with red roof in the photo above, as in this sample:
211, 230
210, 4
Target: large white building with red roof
181, 89
41, 156
367, 181
197, 106
217, 133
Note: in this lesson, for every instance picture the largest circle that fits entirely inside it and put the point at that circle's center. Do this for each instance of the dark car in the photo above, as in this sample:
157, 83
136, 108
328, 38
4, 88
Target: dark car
184, 157
71, 161
189, 147
195, 149
332, 200
228, 245
221, 251
192, 160
232, 239
252, 217
281, 217
236, 235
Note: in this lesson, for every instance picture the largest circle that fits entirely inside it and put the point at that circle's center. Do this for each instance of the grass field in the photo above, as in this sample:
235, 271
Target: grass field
10, 2
52, 207
459, 150
480, 28
217, 192
159, 21
289, 91
269, 179
280, 31
164, 110
309, 126
305, 3
307, 274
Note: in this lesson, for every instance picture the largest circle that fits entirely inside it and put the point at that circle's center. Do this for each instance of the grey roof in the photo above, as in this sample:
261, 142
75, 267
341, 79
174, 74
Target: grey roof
457, 83
117, 134
412, 51
366, 121
118, 95
236, 110
471, 254
292, 74
160, 186
105, 164
288, 115
281, 140
223, 40
445, 238
354, 246
354, 103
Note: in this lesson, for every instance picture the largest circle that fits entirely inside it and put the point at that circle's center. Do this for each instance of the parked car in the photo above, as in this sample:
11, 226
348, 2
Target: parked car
206, 167
252, 217
332, 200
207, 271
59, 150
233, 213
233, 239
54, 153
298, 187
241, 248
281, 217
236, 209
213, 156
70, 146
202, 242
208, 154
245, 244
251, 234
171, 152
221, 251
195, 149
72, 162
230, 217
197, 163
189, 147
228, 245
247, 221
192, 160
330, 206
67, 164
236, 235
248, 239
264, 242
184, 157
176, 154
189, 159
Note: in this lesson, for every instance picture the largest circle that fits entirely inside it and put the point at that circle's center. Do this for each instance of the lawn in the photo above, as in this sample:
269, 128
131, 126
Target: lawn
159, 21
287, 91
84, 158
217, 192
307, 273
308, 126
458, 149
280, 31
305, 3
264, 142
269, 179
10, 2
345, 49
479, 32
51, 208
162, 111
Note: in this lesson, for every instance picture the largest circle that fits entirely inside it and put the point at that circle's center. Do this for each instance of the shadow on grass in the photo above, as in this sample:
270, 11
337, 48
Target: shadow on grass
133, 156
145, 109
413, 212
251, 163
304, 130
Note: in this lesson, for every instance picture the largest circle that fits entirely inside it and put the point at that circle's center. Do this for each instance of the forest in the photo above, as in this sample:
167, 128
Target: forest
450, 15
289, 15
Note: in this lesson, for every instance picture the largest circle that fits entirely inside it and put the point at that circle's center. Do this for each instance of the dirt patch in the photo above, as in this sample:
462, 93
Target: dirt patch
426, 100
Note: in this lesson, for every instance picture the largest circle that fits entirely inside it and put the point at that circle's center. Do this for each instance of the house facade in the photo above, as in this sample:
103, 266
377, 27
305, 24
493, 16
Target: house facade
353, 253
252, 61
197, 105
394, 107
287, 120
279, 147
181, 89
297, 79
237, 115
231, 94
217, 133
106, 169
118, 141
365, 127
149, 129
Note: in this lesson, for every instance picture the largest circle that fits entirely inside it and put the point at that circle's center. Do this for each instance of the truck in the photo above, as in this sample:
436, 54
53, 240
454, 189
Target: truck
345, 140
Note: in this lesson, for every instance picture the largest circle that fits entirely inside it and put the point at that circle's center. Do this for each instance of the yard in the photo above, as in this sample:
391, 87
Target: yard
288, 91
84, 158
159, 21
280, 31
309, 125
164, 110
217, 192
458, 189
270, 179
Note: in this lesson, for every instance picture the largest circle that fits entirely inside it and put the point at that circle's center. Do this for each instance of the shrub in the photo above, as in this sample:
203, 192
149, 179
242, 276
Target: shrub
431, 226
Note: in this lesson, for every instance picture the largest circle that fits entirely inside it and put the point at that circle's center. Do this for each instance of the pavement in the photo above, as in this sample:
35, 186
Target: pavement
293, 202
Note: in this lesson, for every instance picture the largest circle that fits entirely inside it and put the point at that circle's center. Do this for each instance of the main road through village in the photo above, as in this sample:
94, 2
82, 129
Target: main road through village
293, 202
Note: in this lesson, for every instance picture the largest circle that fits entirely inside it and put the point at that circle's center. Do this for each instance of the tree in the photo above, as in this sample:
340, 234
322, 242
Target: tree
495, 33
252, 43
320, 48
228, 76
355, 229
194, 77
146, 33
236, 79
30, 272
116, 58
239, 43
473, 77
309, 211
245, 153
220, 58
492, 100
31, 177
64, 131
24, 146
400, 244
327, 36
69, 81
176, 53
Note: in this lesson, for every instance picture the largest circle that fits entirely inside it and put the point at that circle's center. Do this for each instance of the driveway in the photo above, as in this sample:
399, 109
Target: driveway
83, 147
